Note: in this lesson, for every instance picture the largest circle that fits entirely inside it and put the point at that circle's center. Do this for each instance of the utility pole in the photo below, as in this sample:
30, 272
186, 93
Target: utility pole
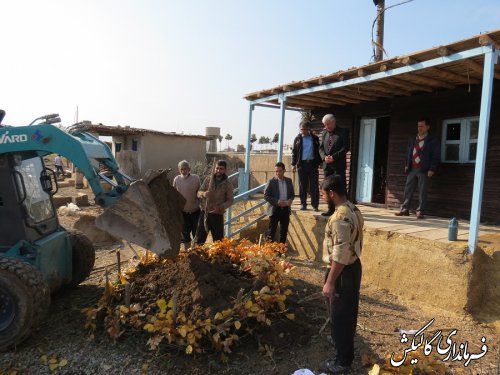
379, 43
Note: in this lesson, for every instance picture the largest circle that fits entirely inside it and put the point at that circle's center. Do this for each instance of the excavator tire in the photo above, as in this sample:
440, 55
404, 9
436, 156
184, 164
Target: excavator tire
24, 301
83, 257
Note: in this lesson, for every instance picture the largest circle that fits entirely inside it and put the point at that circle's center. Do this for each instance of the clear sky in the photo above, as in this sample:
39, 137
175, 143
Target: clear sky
186, 64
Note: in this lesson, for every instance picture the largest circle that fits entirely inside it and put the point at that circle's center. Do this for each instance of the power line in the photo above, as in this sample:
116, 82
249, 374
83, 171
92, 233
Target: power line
375, 20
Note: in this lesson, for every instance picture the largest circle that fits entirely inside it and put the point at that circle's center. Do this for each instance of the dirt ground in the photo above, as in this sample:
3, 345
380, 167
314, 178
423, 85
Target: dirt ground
296, 345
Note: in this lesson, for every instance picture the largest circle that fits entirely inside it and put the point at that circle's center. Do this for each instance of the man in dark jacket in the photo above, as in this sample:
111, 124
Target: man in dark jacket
422, 161
279, 195
306, 159
335, 144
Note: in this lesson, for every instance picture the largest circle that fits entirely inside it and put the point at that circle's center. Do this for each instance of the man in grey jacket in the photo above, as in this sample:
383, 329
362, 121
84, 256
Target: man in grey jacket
279, 195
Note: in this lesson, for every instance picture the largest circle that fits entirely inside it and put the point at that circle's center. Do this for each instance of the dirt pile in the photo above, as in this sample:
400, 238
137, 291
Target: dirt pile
202, 288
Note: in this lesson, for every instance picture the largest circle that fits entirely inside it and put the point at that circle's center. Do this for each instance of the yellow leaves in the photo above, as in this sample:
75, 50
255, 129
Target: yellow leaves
182, 331
248, 308
124, 309
154, 342
53, 362
265, 290
170, 303
375, 370
149, 327
162, 305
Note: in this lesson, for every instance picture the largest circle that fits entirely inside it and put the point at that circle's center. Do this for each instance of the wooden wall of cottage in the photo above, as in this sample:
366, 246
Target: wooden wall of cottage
450, 191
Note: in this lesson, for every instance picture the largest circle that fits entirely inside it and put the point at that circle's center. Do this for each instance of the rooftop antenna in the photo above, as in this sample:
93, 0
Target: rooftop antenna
76, 115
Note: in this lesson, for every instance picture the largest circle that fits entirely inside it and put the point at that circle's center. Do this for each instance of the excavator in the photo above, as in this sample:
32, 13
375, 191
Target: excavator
38, 255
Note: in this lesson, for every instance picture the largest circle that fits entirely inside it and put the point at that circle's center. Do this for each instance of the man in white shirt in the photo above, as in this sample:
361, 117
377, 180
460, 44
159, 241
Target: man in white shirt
188, 184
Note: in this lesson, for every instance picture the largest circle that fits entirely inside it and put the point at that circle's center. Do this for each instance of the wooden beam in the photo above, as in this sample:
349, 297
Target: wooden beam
384, 67
443, 51
365, 90
361, 72
485, 40
478, 68
405, 85
428, 80
327, 100
405, 60
355, 94
305, 103
326, 95
383, 87
443, 74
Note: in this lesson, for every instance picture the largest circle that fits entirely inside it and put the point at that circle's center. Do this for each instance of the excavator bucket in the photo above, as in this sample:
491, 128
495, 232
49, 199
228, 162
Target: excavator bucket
148, 214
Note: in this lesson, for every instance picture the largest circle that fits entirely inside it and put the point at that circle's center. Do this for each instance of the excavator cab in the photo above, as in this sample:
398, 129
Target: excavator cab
25, 190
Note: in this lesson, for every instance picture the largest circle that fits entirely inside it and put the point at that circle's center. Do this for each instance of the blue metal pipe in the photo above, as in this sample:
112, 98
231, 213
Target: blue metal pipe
282, 128
490, 59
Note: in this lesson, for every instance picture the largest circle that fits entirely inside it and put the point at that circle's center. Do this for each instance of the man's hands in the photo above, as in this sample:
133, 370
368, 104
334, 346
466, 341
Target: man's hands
430, 173
218, 210
207, 194
284, 203
328, 291
329, 159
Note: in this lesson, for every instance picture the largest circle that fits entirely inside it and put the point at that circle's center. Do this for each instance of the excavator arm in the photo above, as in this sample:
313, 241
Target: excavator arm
132, 212
84, 150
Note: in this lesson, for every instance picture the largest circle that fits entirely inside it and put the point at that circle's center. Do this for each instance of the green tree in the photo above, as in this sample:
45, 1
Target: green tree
253, 139
275, 139
228, 138
220, 138
240, 148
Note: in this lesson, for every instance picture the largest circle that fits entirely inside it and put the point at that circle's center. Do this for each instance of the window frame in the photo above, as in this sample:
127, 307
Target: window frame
463, 143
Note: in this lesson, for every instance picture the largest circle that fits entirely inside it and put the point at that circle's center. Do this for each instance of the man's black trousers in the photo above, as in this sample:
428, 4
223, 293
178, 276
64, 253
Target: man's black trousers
308, 181
344, 312
215, 224
281, 216
190, 225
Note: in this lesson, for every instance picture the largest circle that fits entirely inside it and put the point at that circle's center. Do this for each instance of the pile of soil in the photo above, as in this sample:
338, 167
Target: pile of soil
202, 288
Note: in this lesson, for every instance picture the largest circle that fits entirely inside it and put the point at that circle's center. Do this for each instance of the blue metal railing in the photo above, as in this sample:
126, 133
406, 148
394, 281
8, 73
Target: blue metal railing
238, 198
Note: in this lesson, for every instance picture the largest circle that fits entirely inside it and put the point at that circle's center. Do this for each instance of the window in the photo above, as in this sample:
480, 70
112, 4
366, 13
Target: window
118, 147
460, 140
135, 144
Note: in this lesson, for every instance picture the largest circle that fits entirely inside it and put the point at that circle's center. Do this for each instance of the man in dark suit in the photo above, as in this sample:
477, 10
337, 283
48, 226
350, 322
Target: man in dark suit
422, 161
333, 148
279, 195
306, 159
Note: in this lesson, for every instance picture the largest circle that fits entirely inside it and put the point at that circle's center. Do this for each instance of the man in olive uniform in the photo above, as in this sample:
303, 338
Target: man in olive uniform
344, 241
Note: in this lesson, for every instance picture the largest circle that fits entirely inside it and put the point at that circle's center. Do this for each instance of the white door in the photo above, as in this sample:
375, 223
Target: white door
365, 162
